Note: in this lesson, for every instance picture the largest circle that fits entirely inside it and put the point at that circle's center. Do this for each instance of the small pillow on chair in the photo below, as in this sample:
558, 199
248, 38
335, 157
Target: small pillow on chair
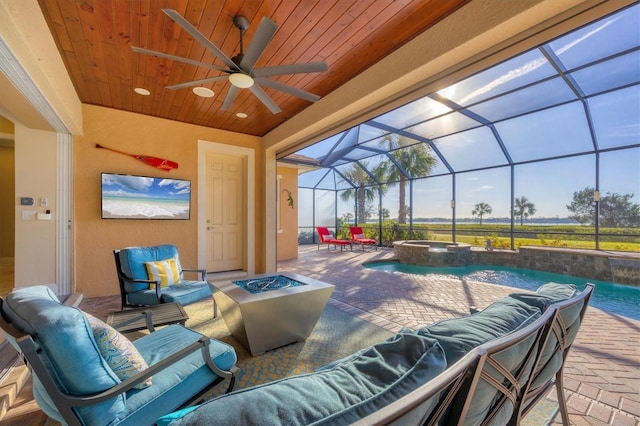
118, 351
329, 236
358, 236
166, 271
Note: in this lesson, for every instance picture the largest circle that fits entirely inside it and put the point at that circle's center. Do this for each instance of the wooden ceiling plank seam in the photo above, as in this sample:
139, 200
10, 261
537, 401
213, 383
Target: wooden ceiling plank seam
216, 27
283, 9
139, 16
126, 94
182, 49
183, 114
106, 24
124, 35
56, 24
193, 49
296, 79
115, 83
330, 16
374, 26
105, 94
286, 38
283, 98
79, 83
361, 62
78, 54
55, 20
92, 40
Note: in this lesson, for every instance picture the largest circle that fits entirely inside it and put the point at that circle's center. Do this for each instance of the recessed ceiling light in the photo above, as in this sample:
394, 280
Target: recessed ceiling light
241, 115
141, 91
203, 92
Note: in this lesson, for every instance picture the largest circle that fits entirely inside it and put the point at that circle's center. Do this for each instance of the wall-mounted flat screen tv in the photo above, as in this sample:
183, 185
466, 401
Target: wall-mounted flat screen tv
144, 197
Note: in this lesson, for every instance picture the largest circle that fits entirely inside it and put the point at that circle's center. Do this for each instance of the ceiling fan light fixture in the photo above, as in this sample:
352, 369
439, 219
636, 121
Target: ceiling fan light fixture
203, 92
240, 80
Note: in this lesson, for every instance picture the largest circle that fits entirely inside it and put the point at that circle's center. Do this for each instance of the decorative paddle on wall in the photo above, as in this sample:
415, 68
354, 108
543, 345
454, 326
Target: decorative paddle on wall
159, 163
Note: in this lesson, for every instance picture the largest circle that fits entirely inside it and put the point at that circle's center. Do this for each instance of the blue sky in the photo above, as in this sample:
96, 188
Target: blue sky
578, 94
143, 186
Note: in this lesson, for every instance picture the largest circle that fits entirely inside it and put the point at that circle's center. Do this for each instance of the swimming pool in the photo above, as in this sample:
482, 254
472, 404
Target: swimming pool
614, 298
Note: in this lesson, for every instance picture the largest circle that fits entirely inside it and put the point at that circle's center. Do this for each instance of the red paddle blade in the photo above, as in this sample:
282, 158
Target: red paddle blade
159, 163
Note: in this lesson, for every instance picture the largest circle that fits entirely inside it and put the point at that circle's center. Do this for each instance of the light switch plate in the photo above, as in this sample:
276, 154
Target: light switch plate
28, 214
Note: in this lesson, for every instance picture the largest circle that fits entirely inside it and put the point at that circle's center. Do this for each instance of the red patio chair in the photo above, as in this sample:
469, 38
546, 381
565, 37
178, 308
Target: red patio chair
357, 236
326, 237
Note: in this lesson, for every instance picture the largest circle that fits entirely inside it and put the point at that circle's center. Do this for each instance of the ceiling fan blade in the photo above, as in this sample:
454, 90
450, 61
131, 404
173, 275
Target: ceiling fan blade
195, 82
291, 69
200, 37
261, 38
177, 58
231, 96
266, 100
288, 89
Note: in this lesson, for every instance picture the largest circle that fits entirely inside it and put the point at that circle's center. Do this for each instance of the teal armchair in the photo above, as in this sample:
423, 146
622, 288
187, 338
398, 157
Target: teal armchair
76, 384
153, 275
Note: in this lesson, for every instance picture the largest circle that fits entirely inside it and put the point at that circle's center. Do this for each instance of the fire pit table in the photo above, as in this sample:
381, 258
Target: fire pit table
267, 311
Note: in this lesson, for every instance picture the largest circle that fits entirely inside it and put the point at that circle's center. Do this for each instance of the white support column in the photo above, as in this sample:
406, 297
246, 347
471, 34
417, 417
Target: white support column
64, 224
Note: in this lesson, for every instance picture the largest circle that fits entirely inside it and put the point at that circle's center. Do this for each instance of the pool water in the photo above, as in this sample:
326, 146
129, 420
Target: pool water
614, 298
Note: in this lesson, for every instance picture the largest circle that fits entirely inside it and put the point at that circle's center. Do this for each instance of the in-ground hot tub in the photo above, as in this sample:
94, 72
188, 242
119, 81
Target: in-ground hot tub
268, 311
432, 253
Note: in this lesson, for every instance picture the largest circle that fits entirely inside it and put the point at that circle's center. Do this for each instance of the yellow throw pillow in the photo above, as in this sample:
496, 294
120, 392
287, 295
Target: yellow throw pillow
166, 271
118, 351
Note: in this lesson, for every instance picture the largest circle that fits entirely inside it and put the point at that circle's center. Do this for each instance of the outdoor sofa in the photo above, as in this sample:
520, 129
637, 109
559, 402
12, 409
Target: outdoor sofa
490, 367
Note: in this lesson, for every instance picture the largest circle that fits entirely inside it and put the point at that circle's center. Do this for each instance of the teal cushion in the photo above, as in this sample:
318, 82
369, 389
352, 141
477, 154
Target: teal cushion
547, 295
172, 387
551, 360
458, 336
350, 390
185, 293
68, 349
132, 261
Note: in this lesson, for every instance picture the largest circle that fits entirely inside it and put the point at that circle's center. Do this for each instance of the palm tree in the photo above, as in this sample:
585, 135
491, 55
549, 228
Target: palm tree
524, 208
363, 191
415, 159
480, 210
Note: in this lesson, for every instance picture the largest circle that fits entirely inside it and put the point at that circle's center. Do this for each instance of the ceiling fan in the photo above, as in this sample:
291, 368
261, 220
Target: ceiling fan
240, 69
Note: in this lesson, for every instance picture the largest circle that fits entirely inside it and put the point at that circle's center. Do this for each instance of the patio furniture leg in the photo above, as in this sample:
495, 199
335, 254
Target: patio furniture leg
562, 403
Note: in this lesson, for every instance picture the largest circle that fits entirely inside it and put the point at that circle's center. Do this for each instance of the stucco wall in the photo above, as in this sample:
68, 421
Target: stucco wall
287, 240
96, 238
35, 169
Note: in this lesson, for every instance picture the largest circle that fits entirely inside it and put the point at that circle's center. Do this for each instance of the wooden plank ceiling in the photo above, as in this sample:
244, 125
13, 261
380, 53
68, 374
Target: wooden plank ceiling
95, 39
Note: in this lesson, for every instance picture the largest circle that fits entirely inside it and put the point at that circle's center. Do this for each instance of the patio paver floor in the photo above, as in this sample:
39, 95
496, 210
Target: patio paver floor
602, 374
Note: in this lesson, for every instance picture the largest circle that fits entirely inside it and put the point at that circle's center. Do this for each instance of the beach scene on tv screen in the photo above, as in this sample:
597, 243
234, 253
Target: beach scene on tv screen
142, 197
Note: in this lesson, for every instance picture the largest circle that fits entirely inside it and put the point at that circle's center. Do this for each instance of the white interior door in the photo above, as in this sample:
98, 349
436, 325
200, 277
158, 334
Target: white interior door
225, 215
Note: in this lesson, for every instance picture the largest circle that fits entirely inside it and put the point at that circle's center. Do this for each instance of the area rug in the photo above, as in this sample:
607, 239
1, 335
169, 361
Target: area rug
542, 414
336, 335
